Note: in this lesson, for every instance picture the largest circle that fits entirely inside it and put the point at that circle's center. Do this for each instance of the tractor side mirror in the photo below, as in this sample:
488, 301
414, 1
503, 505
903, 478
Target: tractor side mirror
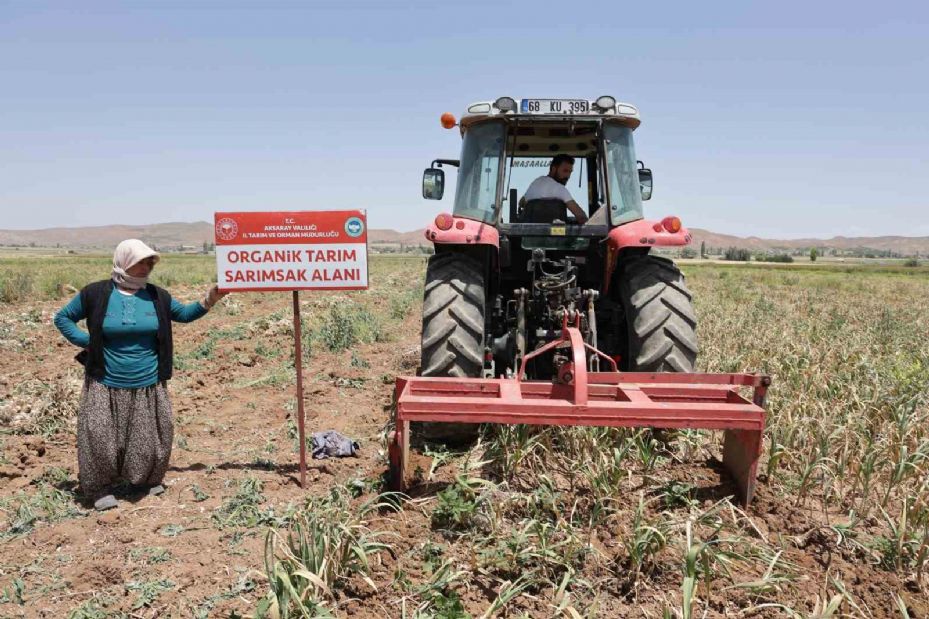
645, 183
433, 183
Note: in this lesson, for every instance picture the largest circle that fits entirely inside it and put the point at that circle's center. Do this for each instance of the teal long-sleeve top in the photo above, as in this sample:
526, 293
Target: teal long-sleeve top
130, 327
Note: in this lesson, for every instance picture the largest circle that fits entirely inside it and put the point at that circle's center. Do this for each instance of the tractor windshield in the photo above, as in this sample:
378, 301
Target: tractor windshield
481, 154
623, 176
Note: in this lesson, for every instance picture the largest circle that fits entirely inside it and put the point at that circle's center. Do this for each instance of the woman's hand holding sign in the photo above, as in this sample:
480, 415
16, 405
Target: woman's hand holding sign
212, 297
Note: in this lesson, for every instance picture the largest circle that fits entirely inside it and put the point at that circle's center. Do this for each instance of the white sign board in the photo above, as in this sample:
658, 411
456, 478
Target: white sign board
305, 250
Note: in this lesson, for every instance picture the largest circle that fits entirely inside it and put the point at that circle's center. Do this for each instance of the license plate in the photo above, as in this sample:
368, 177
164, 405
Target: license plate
554, 106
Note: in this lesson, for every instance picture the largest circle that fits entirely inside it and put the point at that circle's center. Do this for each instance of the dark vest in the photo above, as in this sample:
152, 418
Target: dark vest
94, 299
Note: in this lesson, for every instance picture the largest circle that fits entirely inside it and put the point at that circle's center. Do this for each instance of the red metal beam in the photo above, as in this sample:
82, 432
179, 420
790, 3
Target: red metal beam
614, 399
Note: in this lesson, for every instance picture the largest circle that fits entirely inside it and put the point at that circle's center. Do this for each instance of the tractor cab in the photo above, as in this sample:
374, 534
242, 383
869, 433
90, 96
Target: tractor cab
508, 145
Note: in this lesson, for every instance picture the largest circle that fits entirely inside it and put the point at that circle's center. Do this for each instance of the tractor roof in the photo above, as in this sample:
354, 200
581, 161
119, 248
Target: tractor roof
547, 110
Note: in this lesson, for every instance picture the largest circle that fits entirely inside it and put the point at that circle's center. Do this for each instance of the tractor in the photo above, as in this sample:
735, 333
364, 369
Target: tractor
534, 315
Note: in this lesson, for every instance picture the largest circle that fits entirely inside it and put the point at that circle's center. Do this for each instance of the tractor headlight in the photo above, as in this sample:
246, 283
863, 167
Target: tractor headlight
605, 102
505, 104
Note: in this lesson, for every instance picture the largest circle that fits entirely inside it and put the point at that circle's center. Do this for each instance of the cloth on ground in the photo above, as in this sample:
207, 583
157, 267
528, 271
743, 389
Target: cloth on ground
332, 444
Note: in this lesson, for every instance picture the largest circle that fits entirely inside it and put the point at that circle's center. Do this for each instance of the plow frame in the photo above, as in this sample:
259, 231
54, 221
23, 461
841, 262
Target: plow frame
578, 397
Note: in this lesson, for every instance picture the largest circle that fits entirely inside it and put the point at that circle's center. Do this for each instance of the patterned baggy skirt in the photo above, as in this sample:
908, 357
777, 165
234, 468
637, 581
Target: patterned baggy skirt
123, 434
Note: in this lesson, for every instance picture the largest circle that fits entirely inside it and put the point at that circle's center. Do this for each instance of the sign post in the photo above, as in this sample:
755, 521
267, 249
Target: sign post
298, 364
292, 251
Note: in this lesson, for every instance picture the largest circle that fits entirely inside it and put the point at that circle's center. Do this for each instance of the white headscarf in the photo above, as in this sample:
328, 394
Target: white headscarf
127, 254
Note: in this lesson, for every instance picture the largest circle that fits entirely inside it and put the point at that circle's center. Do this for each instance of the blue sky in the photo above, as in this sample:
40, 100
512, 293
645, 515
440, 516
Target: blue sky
783, 119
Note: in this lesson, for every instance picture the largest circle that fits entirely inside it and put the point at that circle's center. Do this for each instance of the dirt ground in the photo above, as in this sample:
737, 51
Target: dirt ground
225, 431
168, 556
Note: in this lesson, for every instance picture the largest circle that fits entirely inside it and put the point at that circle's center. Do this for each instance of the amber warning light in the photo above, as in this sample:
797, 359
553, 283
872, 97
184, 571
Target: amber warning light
448, 120
443, 221
671, 224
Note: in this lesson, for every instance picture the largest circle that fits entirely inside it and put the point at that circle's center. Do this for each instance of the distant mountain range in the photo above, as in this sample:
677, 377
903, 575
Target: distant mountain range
168, 236
903, 245
178, 235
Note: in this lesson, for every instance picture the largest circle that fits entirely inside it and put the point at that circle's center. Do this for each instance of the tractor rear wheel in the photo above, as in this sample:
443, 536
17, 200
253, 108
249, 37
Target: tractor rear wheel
453, 317
453, 332
660, 319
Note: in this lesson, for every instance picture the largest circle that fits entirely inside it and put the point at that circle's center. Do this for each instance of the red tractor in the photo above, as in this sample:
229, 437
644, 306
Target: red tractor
541, 302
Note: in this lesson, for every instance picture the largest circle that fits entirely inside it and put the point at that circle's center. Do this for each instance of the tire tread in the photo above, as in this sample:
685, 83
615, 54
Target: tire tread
662, 325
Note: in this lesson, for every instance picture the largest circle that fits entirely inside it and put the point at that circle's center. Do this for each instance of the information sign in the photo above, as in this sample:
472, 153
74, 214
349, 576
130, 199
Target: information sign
302, 250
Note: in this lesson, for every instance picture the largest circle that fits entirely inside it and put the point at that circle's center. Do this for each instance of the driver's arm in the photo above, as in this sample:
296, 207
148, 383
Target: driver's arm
577, 211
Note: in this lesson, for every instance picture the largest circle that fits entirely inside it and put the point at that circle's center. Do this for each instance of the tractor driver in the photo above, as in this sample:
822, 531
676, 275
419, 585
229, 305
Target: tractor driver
553, 186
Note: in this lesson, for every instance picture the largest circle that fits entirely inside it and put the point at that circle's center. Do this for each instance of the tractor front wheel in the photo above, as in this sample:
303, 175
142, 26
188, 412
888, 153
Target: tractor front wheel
660, 319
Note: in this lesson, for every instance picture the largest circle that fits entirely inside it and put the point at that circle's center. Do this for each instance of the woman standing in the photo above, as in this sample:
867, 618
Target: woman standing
125, 427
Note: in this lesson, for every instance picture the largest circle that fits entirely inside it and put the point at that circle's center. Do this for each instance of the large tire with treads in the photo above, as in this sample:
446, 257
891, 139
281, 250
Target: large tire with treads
453, 316
452, 333
660, 319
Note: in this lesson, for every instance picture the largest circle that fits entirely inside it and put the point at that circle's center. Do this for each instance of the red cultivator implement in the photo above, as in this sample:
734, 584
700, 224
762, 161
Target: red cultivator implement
581, 398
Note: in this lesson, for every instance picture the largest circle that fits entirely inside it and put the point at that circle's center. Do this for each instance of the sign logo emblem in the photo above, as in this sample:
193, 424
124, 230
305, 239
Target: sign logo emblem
227, 229
354, 227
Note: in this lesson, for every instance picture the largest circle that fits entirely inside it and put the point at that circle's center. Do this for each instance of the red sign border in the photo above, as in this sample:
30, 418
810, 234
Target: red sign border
356, 212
